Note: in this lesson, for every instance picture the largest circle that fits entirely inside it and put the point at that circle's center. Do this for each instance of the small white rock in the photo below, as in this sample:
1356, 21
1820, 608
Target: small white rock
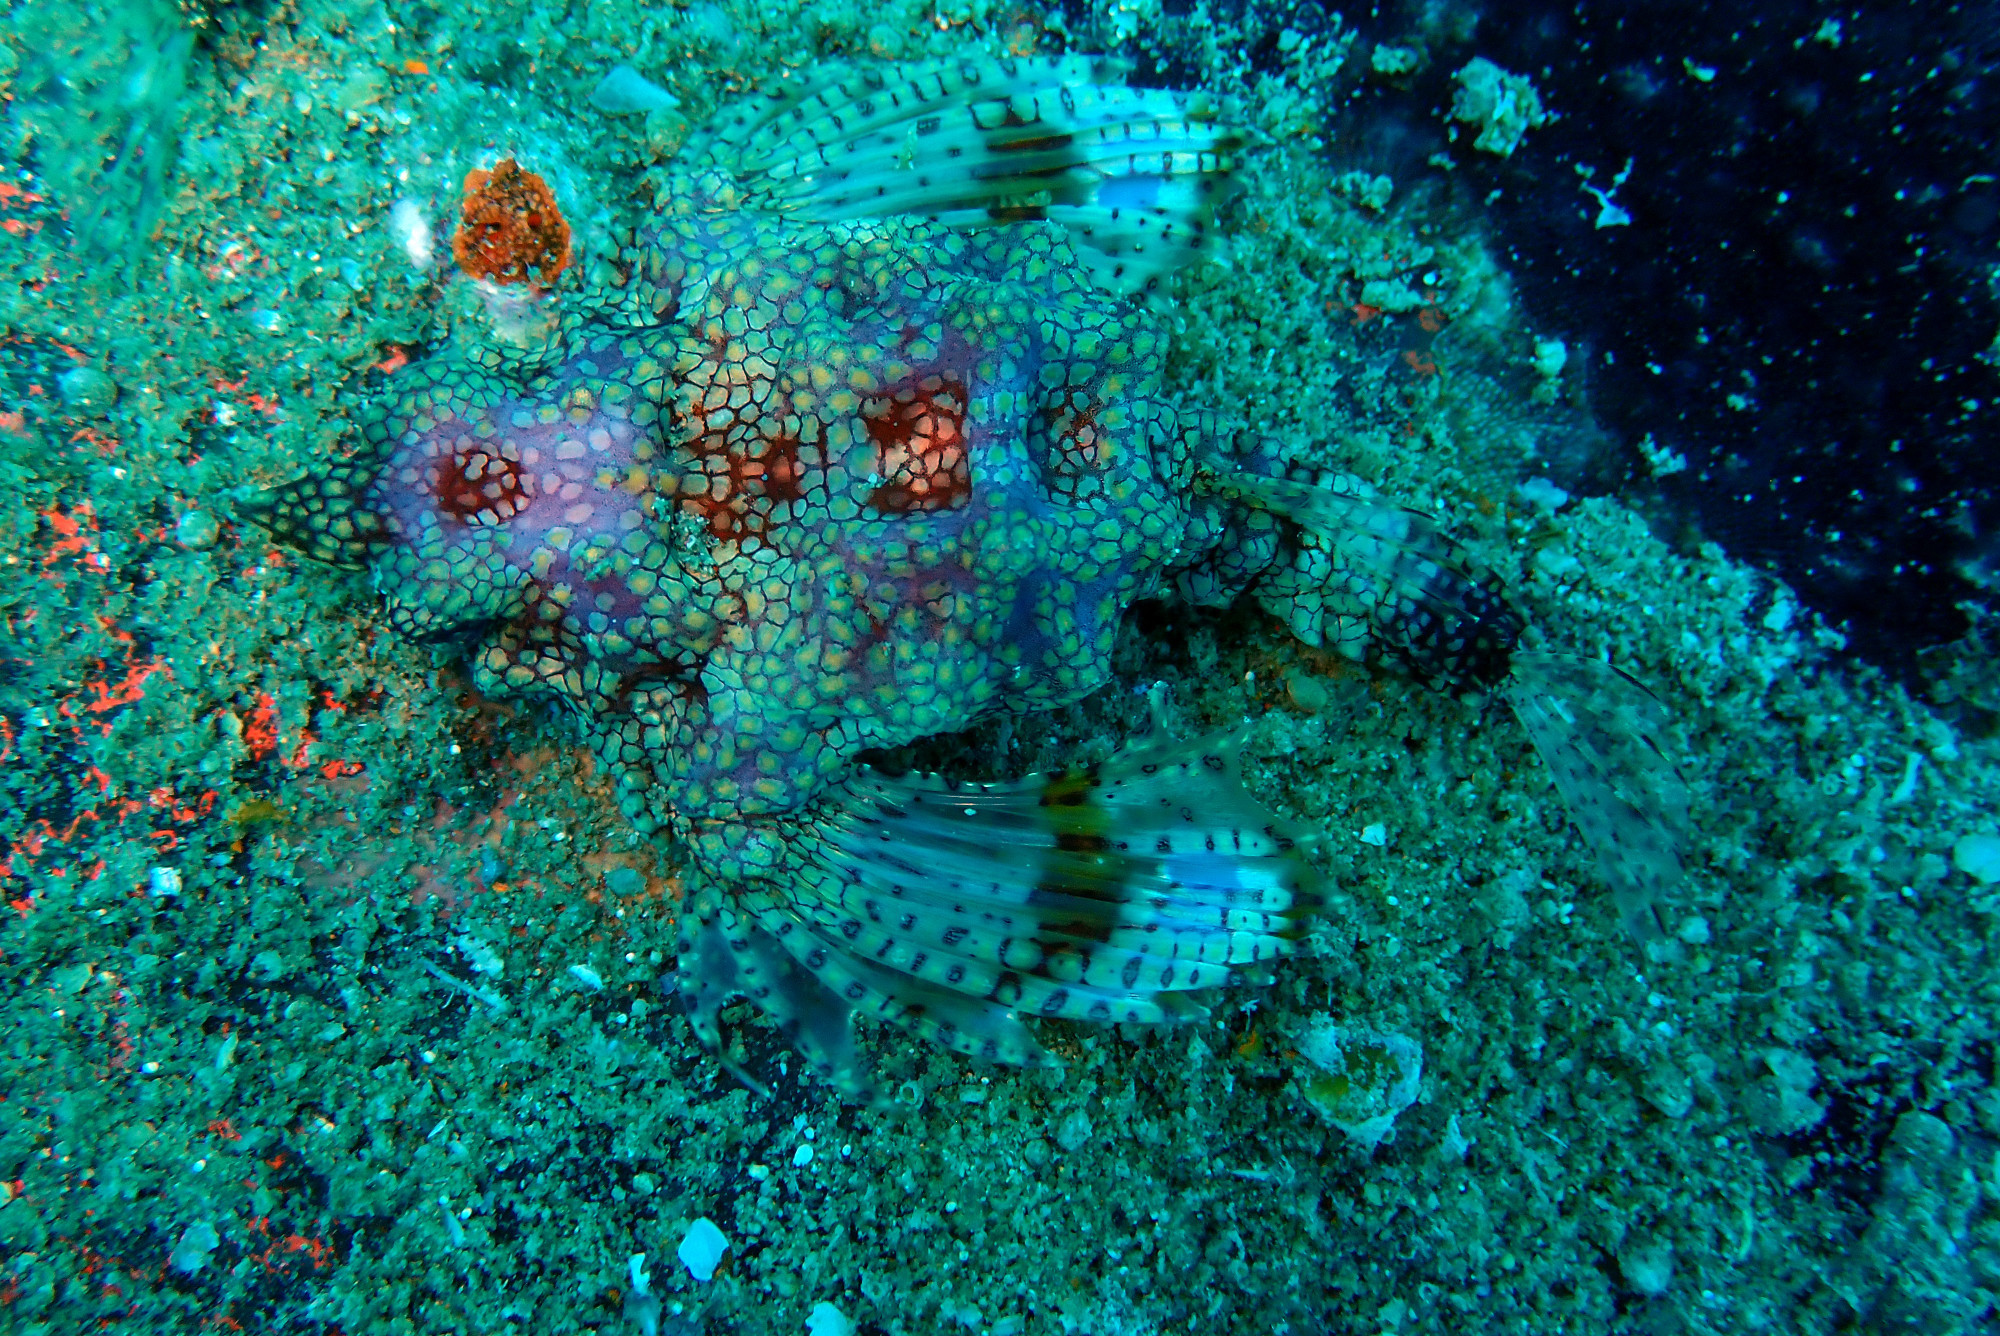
1376, 834
1543, 494
87, 390
826, 1320
702, 1248
412, 232
802, 1157
1648, 1267
197, 530
197, 1241
1978, 857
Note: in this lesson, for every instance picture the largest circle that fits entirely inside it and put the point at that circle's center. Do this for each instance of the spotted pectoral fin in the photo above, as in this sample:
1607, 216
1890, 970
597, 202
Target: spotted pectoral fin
1115, 893
723, 954
1602, 733
1132, 173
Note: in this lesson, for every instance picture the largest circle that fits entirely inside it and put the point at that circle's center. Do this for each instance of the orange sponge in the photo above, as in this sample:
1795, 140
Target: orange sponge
509, 228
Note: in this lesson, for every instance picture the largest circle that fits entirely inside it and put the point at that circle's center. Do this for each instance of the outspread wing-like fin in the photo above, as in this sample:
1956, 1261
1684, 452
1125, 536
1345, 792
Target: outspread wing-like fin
1114, 893
1133, 174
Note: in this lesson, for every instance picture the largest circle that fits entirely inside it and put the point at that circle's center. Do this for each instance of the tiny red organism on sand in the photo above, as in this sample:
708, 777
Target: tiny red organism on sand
509, 227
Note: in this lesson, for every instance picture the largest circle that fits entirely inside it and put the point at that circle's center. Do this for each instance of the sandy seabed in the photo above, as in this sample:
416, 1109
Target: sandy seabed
332, 991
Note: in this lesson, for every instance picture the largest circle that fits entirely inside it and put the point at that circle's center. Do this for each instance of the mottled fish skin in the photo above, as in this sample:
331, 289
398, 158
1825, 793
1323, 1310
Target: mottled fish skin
793, 490
776, 487
797, 490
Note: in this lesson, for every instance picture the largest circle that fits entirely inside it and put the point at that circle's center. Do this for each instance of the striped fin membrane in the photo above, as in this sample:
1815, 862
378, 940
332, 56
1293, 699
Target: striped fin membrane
1113, 893
1382, 579
1602, 735
1133, 174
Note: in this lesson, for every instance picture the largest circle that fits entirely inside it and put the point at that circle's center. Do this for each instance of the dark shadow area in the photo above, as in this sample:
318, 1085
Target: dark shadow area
1804, 300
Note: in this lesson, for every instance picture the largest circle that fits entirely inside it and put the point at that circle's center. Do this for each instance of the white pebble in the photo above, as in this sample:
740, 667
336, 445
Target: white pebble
802, 1157
1542, 493
1648, 1266
412, 232
826, 1320
702, 1248
87, 390
1978, 857
197, 1241
197, 529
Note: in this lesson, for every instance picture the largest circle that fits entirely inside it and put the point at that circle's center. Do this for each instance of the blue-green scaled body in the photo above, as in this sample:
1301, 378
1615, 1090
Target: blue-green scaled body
861, 440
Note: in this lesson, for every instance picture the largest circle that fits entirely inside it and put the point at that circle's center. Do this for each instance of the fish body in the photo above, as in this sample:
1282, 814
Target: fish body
792, 491
861, 439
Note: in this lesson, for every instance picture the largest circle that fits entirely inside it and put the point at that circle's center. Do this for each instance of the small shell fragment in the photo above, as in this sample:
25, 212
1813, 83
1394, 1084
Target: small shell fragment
702, 1248
197, 1241
1978, 857
826, 1320
623, 91
1359, 1079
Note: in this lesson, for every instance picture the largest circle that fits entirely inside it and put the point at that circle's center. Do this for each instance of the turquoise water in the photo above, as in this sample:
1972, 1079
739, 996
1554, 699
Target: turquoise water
335, 996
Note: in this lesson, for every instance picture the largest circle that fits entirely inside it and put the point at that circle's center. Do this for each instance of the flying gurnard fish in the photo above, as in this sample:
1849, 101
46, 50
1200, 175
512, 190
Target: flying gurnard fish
863, 438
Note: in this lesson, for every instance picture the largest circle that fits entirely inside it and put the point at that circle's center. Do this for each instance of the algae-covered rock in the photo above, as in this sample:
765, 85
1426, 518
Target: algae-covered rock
1359, 1079
88, 391
1504, 106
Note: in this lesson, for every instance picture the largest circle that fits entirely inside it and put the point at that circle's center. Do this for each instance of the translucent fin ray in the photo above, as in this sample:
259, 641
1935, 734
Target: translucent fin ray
1133, 174
1600, 733
722, 954
1424, 601
1097, 890
1108, 894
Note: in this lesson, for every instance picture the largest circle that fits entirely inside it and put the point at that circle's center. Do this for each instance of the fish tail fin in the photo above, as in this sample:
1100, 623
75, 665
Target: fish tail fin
321, 515
1601, 734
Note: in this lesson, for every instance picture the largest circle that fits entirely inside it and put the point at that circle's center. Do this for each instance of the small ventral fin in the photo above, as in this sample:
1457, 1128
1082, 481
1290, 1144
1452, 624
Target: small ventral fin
1602, 733
1133, 174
